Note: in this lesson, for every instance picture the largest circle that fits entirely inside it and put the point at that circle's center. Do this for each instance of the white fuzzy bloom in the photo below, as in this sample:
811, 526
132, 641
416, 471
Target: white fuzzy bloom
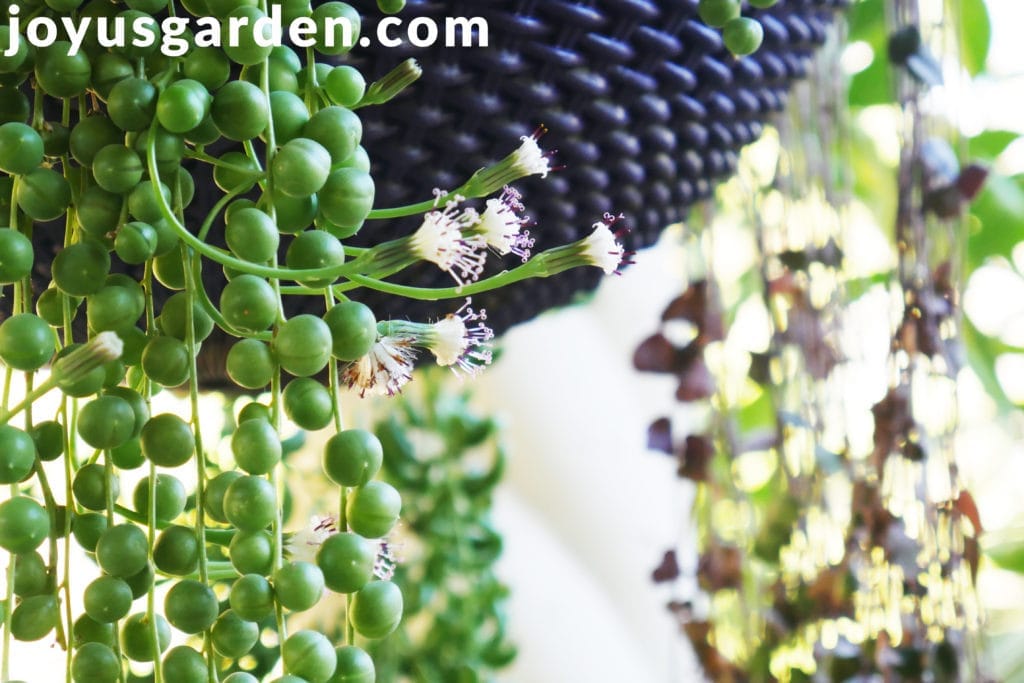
501, 225
107, 345
448, 341
526, 160
443, 239
461, 340
530, 159
384, 370
602, 248
303, 545
101, 349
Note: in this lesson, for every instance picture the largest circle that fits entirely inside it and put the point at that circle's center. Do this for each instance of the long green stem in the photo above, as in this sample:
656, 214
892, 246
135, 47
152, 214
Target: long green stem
12, 562
199, 292
220, 537
410, 209
5, 659
149, 519
508, 277
343, 496
30, 397
192, 285
214, 161
203, 299
212, 214
275, 406
219, 255
69, 413
66, 569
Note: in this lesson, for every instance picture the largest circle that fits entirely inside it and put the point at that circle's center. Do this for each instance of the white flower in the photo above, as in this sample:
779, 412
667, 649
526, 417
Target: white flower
442, 238
602, 248
303, 545
384, 370
502, 226
460, 340
529, 159
101, 349
458, 343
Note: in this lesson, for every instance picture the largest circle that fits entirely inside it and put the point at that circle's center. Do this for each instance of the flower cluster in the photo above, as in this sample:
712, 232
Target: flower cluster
445, 238
457, 239
460, 340
303, 545
601, 248
386, 561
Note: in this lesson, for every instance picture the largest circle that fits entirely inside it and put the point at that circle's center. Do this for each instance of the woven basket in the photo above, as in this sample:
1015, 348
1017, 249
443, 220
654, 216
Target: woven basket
646, 109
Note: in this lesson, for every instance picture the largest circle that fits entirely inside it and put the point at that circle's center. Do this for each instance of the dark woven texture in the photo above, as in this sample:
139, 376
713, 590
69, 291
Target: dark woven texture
644, 105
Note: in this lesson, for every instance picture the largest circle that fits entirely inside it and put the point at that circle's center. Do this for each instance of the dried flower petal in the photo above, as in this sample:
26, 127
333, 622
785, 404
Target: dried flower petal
384, 370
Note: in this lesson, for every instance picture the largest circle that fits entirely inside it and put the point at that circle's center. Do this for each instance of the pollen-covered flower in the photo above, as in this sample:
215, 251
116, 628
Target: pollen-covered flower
445, 238
384, 370
501, 225
460, 340
304, 544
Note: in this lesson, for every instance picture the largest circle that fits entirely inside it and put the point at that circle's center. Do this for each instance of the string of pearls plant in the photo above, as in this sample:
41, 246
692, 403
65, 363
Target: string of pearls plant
92, 143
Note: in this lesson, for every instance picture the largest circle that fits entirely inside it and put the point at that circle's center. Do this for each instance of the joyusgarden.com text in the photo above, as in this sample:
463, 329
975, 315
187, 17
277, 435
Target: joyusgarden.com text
172, 33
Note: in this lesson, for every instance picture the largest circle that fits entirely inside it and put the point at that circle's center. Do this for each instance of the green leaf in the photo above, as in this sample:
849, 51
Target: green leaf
866, 21
987, 146
874, 178
858, 287
982, 352
1008, 554
873, 85
975, 35
999, 210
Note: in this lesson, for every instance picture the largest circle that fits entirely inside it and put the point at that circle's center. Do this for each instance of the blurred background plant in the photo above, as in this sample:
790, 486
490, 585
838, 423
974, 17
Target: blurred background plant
792, 272
837, 530
450, 459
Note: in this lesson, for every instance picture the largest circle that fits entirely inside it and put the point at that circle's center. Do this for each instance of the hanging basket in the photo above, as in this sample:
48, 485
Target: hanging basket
646, 108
